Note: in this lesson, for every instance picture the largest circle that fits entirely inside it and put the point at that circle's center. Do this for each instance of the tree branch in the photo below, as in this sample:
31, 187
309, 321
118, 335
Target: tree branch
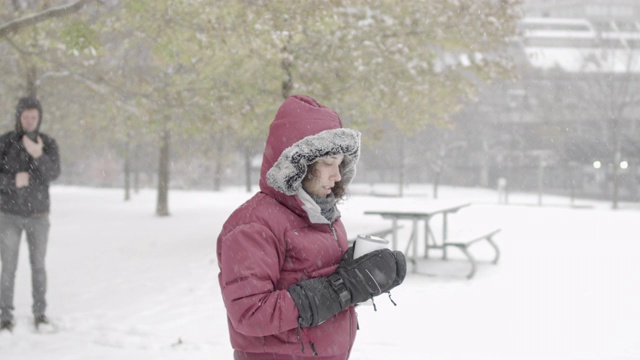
54, 12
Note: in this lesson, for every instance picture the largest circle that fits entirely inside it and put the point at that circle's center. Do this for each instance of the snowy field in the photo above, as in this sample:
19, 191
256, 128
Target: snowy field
125, 284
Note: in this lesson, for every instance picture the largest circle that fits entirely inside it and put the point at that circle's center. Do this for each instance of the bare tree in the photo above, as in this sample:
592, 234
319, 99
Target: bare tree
50, 13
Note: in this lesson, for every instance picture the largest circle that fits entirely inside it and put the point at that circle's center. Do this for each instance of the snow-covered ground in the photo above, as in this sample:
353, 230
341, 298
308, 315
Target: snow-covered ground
125, 284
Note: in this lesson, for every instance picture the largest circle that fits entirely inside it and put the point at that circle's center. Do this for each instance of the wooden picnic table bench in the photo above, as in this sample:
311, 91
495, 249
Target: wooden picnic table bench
464, 242
430, 240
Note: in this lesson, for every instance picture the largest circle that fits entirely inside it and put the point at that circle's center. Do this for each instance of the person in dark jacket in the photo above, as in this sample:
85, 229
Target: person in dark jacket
288, 278
29, 161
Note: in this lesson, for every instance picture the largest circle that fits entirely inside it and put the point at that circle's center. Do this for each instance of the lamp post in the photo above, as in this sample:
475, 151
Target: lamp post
572, 186
616, 178
601, 182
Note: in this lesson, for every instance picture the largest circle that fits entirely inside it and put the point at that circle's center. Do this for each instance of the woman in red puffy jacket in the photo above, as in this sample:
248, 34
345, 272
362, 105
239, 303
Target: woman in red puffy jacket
287, 280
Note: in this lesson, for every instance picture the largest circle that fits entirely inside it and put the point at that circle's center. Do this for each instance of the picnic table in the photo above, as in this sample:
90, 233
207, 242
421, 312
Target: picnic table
425, 215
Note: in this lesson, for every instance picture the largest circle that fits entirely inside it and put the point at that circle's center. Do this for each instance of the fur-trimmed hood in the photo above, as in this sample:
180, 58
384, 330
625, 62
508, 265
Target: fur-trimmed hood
302, 132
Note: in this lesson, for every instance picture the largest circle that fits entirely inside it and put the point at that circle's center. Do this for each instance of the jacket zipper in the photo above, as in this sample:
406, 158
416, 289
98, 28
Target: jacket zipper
335, 236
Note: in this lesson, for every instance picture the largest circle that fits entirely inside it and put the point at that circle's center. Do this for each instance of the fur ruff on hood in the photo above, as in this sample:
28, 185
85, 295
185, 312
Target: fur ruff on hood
287, 173
302, 132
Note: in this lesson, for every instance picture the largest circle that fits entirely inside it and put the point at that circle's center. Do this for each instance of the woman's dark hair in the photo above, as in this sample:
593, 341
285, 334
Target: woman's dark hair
339, 189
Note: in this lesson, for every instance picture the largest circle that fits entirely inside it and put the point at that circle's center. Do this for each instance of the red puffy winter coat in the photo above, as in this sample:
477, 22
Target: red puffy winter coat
278, 238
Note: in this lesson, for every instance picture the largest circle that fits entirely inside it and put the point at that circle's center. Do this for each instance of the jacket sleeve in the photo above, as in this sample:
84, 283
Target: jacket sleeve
47, 166
250, 259
7, 179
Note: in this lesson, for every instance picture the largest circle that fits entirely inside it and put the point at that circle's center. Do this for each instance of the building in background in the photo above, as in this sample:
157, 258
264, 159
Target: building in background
569, 122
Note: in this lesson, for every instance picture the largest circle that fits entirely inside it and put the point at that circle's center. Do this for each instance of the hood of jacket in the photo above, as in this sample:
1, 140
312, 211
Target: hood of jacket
302, 132
26, 103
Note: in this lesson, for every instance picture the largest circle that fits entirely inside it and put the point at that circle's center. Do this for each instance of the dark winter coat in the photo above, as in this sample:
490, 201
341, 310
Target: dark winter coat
33, 199
279, 238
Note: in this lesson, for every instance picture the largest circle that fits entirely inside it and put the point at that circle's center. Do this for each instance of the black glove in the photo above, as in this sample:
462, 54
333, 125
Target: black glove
353, 281
372, 274
319, 299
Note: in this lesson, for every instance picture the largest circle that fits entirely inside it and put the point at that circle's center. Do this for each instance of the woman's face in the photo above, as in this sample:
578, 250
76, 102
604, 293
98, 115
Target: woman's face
325, 173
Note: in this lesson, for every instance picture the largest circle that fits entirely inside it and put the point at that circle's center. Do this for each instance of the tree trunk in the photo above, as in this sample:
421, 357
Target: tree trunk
31, 81
541, 165
483, 177
217, 175
286, 64
127, 170
218, 168
136, 168
436, 183
247, 170
617, 156
162, 206
615, 177
402, 162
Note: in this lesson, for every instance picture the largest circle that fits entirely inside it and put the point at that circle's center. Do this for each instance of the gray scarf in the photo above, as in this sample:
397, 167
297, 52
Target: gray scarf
327, 206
